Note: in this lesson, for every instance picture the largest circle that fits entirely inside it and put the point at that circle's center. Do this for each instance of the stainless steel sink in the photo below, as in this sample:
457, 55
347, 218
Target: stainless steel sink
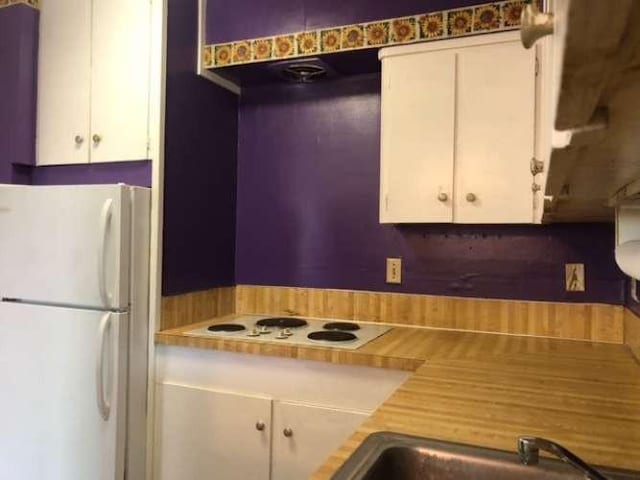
391, 456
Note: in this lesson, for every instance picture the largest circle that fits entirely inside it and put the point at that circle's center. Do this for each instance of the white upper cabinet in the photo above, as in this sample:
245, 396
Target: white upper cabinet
93, 81
459, 132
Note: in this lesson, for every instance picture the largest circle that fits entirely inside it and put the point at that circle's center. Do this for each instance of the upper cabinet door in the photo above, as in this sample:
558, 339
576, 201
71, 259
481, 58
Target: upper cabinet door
417, 144
495, 134
120, 80
64, 71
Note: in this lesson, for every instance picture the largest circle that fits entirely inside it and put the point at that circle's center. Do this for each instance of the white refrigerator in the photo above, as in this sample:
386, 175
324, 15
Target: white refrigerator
74, 280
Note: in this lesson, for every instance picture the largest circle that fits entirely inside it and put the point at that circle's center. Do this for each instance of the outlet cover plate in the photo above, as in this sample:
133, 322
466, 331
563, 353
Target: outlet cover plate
574, 277
394, 270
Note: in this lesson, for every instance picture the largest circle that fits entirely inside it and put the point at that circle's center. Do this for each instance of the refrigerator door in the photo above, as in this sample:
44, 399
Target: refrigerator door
65, 245
63, 384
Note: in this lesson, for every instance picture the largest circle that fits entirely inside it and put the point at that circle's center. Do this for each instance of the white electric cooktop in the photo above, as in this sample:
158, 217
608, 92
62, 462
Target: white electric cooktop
294, 330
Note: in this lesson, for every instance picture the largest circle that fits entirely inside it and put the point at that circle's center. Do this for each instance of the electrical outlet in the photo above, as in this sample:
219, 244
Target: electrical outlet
394, 270
574, 277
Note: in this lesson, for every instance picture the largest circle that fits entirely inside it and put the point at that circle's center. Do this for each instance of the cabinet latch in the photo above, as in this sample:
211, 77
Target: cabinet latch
537, 166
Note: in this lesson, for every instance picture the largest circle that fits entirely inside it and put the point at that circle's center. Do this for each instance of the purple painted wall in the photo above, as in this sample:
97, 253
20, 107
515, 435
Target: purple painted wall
132, 173
200, 166
229, 21
308, 180
18, 63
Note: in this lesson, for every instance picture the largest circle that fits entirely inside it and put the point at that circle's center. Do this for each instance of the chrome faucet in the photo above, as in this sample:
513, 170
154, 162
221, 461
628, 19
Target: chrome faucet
529, 453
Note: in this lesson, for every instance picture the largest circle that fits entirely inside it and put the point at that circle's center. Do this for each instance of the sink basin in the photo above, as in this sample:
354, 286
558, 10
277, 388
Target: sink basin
392, 456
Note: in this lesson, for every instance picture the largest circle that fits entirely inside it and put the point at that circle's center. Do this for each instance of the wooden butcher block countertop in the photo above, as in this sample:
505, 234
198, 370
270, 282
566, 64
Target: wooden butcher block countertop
585, 396
485, 389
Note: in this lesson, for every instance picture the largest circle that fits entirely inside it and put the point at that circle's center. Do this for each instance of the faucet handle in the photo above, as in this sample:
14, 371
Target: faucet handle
529, 453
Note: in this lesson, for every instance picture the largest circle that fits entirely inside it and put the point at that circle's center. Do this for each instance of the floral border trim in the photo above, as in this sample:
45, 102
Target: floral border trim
473, 20
10, 3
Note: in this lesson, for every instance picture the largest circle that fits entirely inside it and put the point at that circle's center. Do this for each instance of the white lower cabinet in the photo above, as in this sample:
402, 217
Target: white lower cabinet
305, 435
228, 416
202, 433
207, 434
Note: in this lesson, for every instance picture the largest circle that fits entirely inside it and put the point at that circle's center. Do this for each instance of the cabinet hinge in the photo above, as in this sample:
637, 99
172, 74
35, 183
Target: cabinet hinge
537, 66
536, 166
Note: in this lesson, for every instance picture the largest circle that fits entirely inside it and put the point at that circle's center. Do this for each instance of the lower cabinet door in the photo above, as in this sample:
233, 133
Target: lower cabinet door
305, 435
211, 435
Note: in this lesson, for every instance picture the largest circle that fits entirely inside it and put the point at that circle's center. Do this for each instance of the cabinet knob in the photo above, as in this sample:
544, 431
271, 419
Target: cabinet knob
471, 197
260, 426
443, 197
79, 139
287, 432
96, 138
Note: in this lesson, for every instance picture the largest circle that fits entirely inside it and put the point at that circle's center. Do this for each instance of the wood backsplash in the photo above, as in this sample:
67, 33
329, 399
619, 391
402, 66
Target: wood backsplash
632, 332
580, 321
179, 310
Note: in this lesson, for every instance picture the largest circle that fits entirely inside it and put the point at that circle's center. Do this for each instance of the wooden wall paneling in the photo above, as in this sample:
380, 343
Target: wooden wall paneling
632, 332
179, 310
580, 321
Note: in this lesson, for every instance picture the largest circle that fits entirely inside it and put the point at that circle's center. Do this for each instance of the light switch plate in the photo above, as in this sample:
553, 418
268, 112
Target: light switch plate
394, 270
574, 277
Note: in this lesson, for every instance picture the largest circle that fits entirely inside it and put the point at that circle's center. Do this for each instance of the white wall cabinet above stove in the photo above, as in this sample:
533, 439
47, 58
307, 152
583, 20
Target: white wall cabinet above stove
94, 82
459, 132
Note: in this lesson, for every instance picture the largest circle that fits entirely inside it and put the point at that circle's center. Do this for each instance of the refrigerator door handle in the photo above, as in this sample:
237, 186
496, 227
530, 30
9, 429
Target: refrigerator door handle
104, 405
105, 221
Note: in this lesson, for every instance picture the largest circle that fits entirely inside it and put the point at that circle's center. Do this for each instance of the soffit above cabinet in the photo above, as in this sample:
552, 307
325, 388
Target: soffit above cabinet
598, 109
352, 49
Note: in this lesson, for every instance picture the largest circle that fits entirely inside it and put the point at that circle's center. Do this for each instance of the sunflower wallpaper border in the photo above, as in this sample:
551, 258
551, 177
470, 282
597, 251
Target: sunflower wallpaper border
477, 19
10, 3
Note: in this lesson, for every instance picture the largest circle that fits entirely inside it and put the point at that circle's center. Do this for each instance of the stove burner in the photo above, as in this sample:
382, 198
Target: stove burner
282, 322
332, 336
226, 327
342, 326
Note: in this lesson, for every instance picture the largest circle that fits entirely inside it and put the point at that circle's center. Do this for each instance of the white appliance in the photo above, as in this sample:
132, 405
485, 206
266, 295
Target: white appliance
294, 330
73, 332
